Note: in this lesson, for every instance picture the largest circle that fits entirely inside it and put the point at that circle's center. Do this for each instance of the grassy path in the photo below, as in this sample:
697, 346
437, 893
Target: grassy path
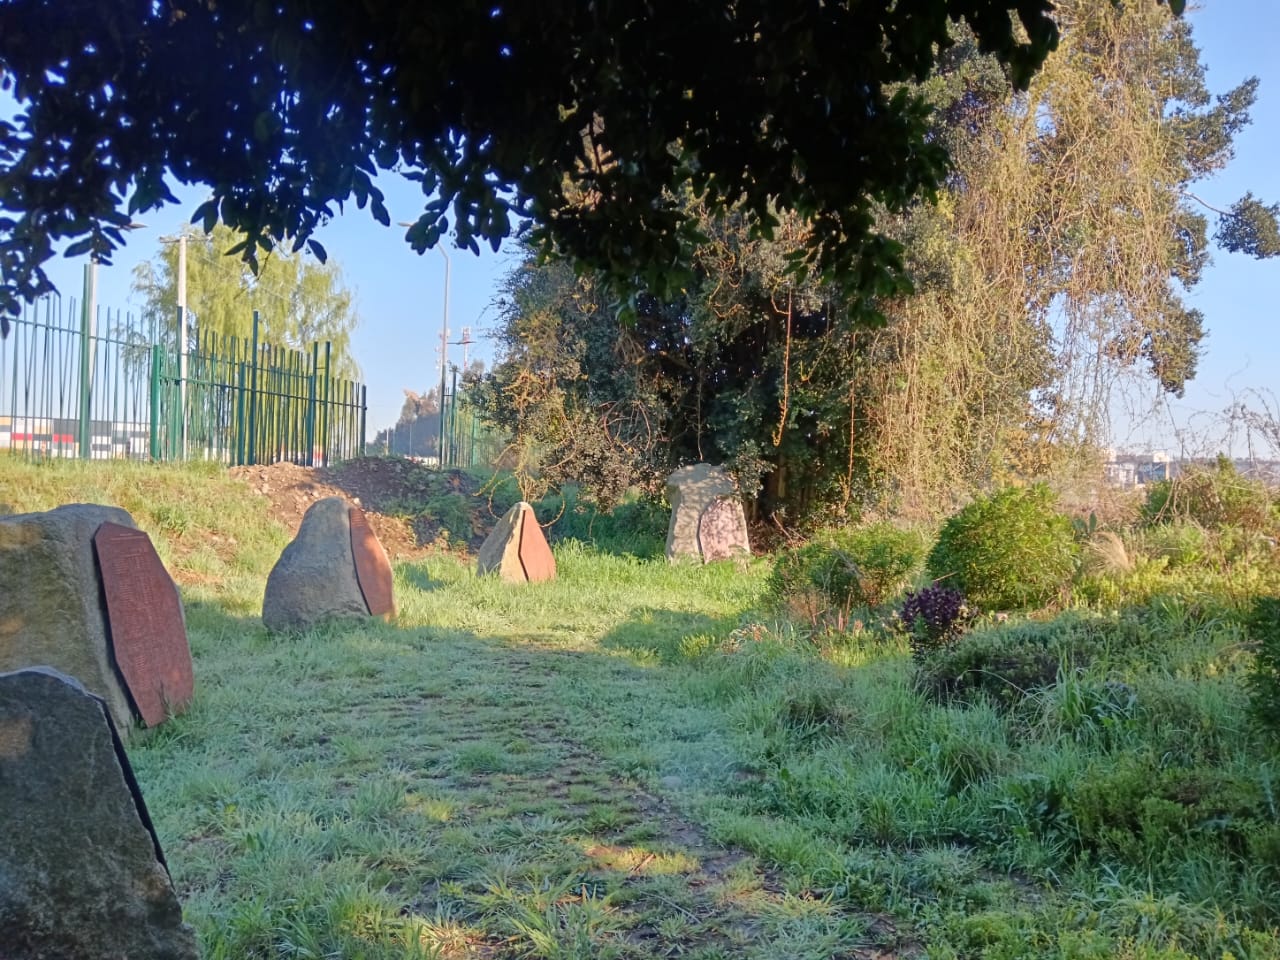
620, 764
499, 774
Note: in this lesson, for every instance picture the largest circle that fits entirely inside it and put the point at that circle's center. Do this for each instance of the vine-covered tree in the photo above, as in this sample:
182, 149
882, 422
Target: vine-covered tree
584, 118
1056, 257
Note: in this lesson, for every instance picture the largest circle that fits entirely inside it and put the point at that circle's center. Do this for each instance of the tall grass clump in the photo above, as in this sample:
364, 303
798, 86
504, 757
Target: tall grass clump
824, 580
1264, 680
1211, 496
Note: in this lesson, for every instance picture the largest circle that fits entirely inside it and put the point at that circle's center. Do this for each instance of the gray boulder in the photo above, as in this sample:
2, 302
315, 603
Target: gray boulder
51, 607
691, 491
315, 578
81, 871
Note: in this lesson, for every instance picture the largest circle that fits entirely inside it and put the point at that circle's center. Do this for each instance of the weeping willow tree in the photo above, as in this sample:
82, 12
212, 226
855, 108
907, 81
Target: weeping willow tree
1087, 210
299, 300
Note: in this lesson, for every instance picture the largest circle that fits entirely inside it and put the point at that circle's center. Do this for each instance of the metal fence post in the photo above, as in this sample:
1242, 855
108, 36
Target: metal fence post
453, 420
85, 391
154, 437
253, 396
311, 405
364, 411
328, 369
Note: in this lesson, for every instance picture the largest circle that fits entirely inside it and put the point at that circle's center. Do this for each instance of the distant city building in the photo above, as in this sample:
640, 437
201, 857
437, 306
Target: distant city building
1134, 470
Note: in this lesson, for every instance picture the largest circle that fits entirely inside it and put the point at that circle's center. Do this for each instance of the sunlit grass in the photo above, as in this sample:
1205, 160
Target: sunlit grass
632, 761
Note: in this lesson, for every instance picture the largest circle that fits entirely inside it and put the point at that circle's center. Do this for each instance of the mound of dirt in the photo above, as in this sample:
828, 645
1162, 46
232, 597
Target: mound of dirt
392, 493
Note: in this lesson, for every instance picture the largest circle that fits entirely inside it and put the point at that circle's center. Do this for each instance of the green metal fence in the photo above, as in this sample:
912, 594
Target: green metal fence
468, 441
68, 390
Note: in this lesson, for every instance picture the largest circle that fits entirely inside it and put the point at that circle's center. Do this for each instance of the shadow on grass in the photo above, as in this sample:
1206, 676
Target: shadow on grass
309, 762
416, 576
669, 635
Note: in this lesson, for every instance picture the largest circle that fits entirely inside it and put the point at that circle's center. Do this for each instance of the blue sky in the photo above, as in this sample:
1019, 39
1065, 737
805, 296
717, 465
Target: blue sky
1239, 296
400, 294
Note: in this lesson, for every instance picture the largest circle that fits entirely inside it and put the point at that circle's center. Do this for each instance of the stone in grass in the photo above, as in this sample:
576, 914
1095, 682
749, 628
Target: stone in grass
81, 871
691, 490
316, 579
722, 530
516, 549
147, 629
51, 604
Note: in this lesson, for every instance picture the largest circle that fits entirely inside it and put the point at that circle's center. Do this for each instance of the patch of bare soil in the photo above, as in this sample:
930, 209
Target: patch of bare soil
391, 492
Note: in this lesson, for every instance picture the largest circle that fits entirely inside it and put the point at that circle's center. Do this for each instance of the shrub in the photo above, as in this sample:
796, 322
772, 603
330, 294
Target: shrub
637, 525
1211, 496
1008, 550
842, 569
935, 617
451, 512
1008, 664
1264, 681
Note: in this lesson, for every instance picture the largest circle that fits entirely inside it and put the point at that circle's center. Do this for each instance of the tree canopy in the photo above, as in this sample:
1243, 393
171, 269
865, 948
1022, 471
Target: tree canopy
580, 118
300, 302
1055, 262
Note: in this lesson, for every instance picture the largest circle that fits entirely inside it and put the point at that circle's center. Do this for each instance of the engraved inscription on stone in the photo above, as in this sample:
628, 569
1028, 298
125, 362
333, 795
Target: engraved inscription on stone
722, 531
373, 571
147, 633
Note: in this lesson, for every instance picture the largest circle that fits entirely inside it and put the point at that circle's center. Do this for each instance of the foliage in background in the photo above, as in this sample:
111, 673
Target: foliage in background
1054, 263
1009, 550
637, 525
300, 301
1264, 681
1213, 496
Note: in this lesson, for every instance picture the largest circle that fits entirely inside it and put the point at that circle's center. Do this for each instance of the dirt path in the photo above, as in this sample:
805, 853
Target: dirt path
557, 856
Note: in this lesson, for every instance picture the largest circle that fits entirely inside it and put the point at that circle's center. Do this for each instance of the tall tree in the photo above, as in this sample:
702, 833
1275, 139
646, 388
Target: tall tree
1056, 257
299, 301
581, 117
1075, 202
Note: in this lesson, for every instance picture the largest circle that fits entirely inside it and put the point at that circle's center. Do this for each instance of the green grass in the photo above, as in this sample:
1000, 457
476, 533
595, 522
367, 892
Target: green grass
629, 762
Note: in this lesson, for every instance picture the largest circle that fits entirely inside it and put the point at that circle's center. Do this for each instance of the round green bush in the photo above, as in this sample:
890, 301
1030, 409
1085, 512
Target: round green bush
1006, 551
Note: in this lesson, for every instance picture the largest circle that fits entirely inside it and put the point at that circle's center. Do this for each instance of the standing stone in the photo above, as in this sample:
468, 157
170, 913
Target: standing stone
81, 871
722, 531
148, 631
691, 490
51, 610
315, 578
516, 549
373, 569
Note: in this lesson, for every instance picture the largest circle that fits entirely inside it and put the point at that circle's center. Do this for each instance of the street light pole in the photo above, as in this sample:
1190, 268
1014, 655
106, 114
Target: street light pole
183, 335
444, 350
444, 341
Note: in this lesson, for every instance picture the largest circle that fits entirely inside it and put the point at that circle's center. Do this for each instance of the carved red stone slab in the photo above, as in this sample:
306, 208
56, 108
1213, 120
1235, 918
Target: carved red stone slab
147, 634
722, 531
535, 555
373, 571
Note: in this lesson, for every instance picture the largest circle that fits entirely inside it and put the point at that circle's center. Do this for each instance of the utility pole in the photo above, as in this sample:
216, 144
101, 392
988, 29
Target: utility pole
444, 340
183, 334
444, 349
465, 343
